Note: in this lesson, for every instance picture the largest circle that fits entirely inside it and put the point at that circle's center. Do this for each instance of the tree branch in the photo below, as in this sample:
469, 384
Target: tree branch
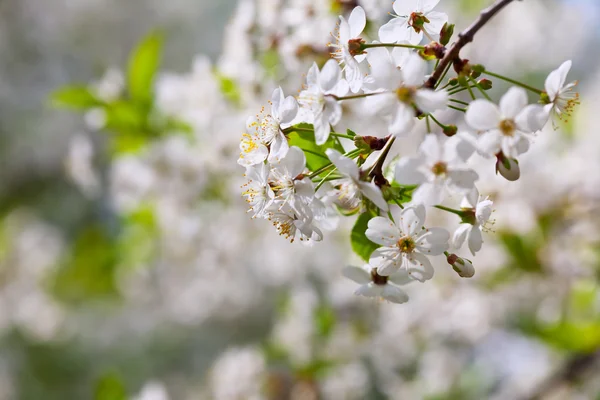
465, 38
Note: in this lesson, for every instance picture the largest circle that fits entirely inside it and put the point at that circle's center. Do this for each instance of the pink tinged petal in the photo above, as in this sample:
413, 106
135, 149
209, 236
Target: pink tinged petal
401, 277
436, 22
288, 110
406, 7
490, 142
357, 22
513, 102
372, 192
414, 70
462, 180
407, 171
460, 235
433, 242
402, 121
357, 274
419, 267
394, 294
345, 165
425, 6
312, 76
412, 219
394, 30
475, 240
294, 161
382, 231
369, 290
429, 193
387, 260
429, 101
279, 148
556, 79
344, 32
276, 100
330, 75
483, 115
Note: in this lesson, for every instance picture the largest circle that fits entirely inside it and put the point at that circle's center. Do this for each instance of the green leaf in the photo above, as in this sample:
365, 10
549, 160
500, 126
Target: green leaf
125, 117
523, 250
142, 68
230, 89
304, 137
77, 97
325, 320
110, 387
360, 243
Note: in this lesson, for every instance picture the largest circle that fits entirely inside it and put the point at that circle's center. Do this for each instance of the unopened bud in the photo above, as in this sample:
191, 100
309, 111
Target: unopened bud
475, 74
453, 82
507, 167
450, 130
446, 33
370, 142
462, 67
485, 84
478, 68
463, 267
433, 50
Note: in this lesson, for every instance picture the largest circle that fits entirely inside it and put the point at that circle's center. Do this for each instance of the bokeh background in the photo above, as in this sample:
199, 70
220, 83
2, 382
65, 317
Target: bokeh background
130, 270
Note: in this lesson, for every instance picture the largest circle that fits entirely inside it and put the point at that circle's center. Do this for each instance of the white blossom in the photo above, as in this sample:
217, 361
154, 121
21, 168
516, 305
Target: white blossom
561, 95
480, 211
412, 19
374, 285
347, 45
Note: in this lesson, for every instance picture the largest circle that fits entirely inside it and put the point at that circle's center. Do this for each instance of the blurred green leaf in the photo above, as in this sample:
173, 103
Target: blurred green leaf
142, 68
110, 387
77, 97
137, 242
270, 61
360, 243
125, 117
523, 250
580, 336
324, 320
304, 137
230, 89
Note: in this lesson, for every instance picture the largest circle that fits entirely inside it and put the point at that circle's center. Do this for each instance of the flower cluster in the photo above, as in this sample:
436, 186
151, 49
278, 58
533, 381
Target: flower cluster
302, 171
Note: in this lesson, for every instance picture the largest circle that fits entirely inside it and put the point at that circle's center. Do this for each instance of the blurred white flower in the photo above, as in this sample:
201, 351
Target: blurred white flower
480, 211
413, 19
374, 285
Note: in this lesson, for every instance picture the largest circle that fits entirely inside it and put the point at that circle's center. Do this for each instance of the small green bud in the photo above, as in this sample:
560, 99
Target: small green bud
544, 98
361, 143
450, 130
453, 82
485, 84
462, 266
478, 68
475, 74
446, 33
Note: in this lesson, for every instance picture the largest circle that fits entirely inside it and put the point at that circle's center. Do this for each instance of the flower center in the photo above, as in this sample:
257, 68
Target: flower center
378, 279
405, 94
417, 20
440, 168
406, 244
355, 46
507, 127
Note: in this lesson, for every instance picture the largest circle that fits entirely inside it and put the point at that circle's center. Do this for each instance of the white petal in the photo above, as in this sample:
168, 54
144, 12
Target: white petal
429, 100
490, 142
382, 231
429, 193
483, 115
344, 31
532, 118
400, 277
394, 294
279, 148
475, 240
387, 260
369, 290
412, 219
372, 192
419, 267
407, 7
460, 235
357, 21
288, 110
330, 75
402, 121
433, 242
312, 76
394, 30
334, 110
432, 149
414, 70
294, 161
357, 274
254, 156
425, 6
407, 171
483, 211
470, 200
322, 129
354, 75
462, 180
556, 79
276, 100
513, 102
436, 22
345, 165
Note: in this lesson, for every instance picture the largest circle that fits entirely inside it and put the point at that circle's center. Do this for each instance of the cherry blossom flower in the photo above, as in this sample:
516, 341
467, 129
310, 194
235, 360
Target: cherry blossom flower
293, 224
288, 184
413, 19
348, 168
374, 285
348, 44
319, 98
479, 212
401, 92
257, 191
406, 243
436, 169
265, 139
507, 127
561, 97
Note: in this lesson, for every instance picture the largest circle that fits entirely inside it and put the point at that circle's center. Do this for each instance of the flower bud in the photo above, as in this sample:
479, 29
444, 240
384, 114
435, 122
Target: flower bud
446, 33
507, 167
453, 82
433, 50
462, 266
485, 84
450, 130
370, 142
478, 68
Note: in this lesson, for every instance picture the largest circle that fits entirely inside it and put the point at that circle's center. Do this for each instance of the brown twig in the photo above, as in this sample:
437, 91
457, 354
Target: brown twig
465, 38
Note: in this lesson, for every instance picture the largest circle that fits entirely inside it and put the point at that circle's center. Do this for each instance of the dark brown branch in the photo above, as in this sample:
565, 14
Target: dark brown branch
465, 38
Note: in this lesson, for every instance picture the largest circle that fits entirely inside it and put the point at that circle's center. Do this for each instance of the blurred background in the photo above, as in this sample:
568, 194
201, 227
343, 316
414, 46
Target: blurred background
130, 270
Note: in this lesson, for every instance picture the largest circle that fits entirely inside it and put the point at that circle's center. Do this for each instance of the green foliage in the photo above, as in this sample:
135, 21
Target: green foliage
137, 242
360, 243
76, 97
270, 61
142, 68
230, 89
325, 320
398, 194
304, 137
523, 251
110, 387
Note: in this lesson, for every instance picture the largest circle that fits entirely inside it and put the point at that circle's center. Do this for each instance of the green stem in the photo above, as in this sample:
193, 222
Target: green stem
470, 89
478, 86
450, 210
311, 130
464, 103
341, 135
437, 122
356, 96
428, 124
373, 45
456, 91
457, 108
378, 167
507, 79
323, 180
350, 154
443, 76
315, 153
